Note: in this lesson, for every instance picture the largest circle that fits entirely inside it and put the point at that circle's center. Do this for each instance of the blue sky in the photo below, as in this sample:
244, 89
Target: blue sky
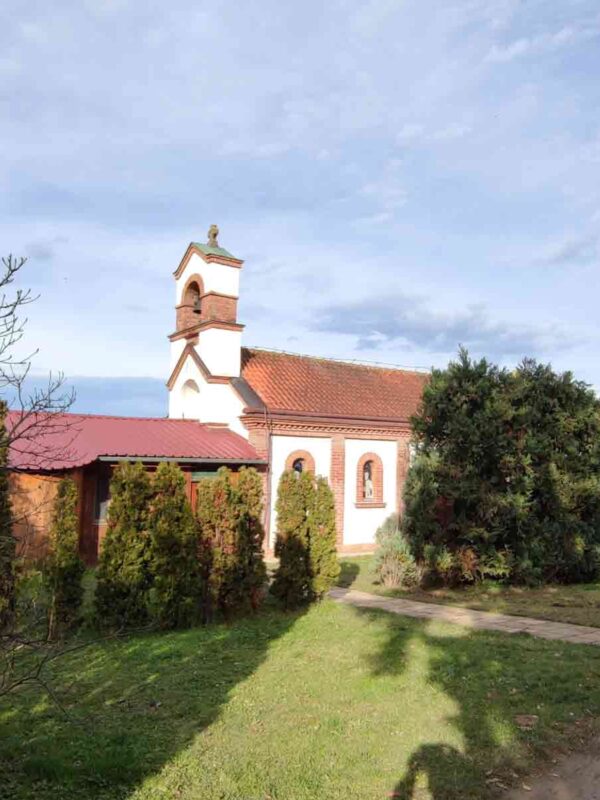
399, 178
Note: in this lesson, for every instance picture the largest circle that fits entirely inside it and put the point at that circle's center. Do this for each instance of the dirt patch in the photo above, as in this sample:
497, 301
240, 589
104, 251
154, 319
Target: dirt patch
573, 776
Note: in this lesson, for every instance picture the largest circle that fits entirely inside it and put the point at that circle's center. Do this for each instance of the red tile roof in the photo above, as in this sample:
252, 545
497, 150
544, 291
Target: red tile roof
64, 441
323, 387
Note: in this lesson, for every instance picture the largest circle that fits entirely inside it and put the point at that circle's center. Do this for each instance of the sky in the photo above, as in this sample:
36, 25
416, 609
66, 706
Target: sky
400, 178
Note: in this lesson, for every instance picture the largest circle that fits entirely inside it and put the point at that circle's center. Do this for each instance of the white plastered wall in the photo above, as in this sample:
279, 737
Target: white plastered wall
220, 349
360, 524
281, 447
216, 277
215, 402
177, 348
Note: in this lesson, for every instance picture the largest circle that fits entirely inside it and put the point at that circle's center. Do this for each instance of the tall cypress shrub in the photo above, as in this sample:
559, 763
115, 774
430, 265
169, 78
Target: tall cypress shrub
174, 596
123, 572
217, 513
7, 540
64, 568
292, 584
230, 541
324, 564
251, 566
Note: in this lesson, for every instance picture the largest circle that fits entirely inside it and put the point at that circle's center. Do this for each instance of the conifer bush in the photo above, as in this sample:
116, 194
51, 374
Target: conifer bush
230, 541
508, 482
124, 577
174, 574
292, 581
217, 516
252, 573
324, 564
395, 564
64, 568
7, 540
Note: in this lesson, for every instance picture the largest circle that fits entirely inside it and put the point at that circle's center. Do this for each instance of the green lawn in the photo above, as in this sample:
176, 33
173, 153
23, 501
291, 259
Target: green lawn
333, 703
579, 603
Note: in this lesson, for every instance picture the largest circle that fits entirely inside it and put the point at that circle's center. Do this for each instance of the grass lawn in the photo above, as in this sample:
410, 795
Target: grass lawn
578, 603
332, 703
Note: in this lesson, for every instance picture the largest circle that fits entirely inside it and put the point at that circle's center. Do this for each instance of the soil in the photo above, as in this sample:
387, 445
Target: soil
573, 776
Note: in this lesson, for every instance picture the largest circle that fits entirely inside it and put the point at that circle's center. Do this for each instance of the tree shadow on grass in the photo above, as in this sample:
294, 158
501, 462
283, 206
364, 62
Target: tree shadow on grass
348, 573
132, 705
490, 679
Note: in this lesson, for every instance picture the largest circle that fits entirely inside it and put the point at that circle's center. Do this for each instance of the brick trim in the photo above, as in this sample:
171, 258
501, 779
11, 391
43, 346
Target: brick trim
376, 477
402, 466
309, 461
326, 426
193, 330
212, 293
336, 481
356, 549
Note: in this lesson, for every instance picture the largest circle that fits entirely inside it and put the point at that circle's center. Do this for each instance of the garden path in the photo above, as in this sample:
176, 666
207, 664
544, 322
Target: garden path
481, 620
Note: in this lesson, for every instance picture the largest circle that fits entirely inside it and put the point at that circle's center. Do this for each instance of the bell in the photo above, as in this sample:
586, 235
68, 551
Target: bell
196, 307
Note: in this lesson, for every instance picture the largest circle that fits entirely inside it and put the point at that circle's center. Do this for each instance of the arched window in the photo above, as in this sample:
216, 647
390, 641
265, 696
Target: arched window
369, 481
300, 461
189, 310
190, 400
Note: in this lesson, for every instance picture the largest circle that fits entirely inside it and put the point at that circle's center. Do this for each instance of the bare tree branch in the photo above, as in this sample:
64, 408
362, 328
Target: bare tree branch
39, 434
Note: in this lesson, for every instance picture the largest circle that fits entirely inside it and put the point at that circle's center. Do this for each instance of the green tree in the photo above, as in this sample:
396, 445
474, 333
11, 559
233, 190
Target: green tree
324, 564
64, 568
292, 583
508, 481
123, 573
174, 596
7, 540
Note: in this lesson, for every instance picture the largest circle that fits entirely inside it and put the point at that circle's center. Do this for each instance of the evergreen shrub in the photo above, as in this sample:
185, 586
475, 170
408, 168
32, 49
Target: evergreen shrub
64, 568
507, 483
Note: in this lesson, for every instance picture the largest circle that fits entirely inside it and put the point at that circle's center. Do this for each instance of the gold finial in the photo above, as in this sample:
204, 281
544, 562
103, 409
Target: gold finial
213, 232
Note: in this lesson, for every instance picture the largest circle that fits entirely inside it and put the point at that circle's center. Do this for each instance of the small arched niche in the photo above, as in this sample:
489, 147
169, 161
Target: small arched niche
369, 480
190, 400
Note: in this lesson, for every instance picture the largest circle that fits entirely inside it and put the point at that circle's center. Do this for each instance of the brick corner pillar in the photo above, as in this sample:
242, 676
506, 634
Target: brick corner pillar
401, 472
338, 459
259, 439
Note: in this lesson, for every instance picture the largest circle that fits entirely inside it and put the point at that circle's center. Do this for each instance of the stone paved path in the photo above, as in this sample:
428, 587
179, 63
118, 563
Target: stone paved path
482, 620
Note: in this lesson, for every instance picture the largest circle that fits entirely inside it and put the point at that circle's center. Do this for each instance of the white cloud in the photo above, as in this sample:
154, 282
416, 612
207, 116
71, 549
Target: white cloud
544, 42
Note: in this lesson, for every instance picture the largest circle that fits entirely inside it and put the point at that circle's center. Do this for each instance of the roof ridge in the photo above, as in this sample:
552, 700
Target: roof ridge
112, 416
373, 365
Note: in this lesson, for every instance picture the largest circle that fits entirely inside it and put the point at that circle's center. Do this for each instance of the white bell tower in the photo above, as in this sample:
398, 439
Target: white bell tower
206, 344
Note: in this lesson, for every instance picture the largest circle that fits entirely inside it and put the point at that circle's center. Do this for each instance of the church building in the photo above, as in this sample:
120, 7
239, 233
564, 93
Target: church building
232, 405
345, 421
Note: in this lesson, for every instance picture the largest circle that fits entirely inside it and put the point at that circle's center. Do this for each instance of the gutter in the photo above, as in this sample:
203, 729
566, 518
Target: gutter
159, 459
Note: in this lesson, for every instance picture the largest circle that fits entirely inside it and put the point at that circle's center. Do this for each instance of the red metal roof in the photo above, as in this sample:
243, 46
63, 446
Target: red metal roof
323, 387
64, 441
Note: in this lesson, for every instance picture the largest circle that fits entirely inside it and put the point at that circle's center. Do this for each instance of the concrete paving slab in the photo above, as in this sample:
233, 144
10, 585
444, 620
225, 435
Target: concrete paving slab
481, 620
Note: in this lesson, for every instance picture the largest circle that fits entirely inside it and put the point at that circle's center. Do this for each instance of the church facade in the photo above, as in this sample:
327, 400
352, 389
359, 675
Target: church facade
345, 421
232, 406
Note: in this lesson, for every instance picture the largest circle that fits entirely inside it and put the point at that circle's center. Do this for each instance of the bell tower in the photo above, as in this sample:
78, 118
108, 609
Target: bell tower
206, 343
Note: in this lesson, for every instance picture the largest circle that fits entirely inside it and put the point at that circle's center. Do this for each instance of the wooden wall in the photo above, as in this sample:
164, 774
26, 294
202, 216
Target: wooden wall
32, 499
